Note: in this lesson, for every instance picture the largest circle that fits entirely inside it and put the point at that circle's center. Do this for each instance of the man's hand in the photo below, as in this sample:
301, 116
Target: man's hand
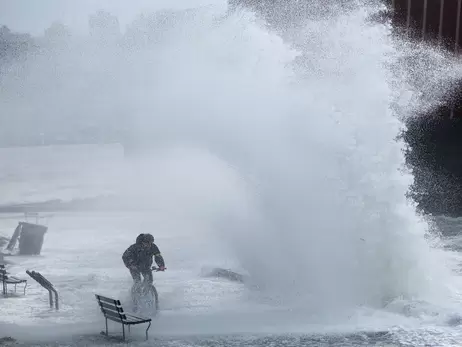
161, 268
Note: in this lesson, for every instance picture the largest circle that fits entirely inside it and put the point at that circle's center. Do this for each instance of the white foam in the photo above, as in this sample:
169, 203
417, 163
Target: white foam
296, 178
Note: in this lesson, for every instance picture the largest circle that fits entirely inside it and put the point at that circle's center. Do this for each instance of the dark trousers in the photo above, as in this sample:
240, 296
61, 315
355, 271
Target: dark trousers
136, 275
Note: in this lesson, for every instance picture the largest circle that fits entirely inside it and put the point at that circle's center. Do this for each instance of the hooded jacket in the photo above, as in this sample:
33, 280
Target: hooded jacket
141, 258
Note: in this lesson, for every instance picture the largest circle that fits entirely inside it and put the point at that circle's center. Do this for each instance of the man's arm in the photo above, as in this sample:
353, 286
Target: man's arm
129, 257
158, 257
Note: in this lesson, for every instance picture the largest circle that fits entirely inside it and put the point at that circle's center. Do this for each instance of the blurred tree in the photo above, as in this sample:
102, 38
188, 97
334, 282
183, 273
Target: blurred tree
57, 34
104, 27
13, 45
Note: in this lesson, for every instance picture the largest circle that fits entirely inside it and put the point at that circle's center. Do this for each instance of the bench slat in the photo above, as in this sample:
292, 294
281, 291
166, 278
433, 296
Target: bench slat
15, 281
132, 317
108, 300
114, 314
11, 279
118, 320
111, 307
134, 322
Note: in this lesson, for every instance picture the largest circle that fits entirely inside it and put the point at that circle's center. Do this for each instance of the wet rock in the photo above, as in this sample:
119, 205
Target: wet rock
223, 273
7, 341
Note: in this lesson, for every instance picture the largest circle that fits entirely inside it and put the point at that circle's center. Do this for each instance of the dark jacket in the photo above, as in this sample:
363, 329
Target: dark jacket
141, 258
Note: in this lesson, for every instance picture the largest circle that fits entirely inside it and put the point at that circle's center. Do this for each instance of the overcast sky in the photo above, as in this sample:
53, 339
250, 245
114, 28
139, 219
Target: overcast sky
34, 16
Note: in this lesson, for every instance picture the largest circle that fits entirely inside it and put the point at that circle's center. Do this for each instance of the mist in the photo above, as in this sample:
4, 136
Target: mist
286, 147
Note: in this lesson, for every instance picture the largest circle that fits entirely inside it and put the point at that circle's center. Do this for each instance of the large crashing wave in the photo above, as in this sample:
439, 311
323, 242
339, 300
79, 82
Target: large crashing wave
321, 220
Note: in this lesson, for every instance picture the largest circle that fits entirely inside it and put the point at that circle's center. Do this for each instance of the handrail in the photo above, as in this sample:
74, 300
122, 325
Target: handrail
37, 276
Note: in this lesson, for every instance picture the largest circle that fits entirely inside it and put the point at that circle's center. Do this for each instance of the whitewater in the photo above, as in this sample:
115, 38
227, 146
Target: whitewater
274, 155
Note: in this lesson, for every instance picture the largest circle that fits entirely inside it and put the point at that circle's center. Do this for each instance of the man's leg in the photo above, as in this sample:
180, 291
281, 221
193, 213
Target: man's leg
147, 274
136, 275
148, 278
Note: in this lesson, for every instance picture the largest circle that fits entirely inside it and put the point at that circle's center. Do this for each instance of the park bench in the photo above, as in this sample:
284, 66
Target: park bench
112, 310
6, 279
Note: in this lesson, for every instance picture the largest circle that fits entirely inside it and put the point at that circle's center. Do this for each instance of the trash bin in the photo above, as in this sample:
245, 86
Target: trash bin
31, 239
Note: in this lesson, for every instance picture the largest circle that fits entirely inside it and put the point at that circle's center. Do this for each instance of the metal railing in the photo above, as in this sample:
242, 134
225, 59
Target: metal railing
417, 14
423, 12
37, 276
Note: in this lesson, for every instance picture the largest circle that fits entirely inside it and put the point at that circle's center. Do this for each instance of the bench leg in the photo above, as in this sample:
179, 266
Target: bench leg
147, 330
25, 286
107, 333
123, 330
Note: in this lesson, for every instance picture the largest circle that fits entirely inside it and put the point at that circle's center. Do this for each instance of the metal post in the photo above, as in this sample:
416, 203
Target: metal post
456, 45
4, 285
424, 19
440, 31
147, 337
56, 298
408, 21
